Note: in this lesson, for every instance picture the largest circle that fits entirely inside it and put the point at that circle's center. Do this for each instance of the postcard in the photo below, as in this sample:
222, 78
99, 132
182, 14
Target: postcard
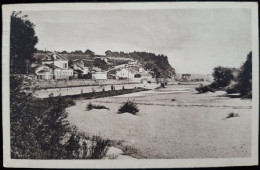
130, 85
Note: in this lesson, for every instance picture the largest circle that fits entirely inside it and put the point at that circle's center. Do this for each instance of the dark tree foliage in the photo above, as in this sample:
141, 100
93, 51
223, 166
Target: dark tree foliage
100, 63
40, 130
89, 52
77, 52
22, 43
23, 122
222, 76
64, 52
244, 80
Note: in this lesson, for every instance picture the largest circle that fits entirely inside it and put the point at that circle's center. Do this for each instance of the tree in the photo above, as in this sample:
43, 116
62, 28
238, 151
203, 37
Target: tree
22, 43
244, 81
89, 52
64, 52
40, 129
77, 52
222, 76
100, 63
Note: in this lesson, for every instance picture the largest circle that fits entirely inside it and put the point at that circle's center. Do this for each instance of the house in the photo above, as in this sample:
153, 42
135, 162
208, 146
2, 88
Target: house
100, 75
186, 77
102, 57
79, 65
141, 70
43, 72
54, 66
125, 73
57, 60
60, 73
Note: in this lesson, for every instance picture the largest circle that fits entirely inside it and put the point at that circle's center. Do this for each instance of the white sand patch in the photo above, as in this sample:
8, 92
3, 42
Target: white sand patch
193, 126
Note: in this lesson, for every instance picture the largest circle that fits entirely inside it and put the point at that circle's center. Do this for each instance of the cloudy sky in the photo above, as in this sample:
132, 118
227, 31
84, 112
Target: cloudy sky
195, 40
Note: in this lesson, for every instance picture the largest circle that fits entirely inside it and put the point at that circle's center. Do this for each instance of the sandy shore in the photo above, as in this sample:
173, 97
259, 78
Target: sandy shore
192, 126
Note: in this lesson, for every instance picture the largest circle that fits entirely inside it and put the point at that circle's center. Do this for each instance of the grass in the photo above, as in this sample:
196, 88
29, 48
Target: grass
91, 106
129, 107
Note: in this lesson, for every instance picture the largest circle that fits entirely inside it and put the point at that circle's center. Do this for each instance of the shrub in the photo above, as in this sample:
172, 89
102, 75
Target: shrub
137, 75
162, 85
98, 148
129, 106
90, 106
204, 89
71, 102
232, 115
40, 129
149, 82
173, 100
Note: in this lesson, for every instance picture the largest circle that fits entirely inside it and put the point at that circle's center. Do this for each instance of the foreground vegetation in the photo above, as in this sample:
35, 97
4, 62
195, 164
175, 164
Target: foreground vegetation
232, 80
129, 107
40, 130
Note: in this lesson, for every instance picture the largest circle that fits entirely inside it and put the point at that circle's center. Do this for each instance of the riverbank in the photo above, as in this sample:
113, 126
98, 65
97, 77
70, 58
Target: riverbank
101, 94
70, 91
173, 122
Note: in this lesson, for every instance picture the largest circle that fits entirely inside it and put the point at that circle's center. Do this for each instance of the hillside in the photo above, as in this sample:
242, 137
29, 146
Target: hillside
157, 63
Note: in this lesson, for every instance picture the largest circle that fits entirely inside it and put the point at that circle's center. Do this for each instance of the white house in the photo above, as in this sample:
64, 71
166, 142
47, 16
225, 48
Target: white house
125, 73
79, 65
99, 75
58, 68
44, 72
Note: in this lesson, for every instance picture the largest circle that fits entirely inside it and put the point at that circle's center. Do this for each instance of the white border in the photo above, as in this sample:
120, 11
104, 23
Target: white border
144, 163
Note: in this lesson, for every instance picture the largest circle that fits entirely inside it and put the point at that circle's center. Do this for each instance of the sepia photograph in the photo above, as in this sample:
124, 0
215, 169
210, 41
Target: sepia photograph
130, 85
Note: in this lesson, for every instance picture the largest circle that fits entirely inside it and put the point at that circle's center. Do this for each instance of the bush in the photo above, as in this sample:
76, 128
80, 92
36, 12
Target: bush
204, 89
90, 106
137, 75
130, 107
232, 115
40, 129
162, 85
173, 100
149, 82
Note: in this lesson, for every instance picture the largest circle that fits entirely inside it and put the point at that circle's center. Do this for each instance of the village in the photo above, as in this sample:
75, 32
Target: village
53, 66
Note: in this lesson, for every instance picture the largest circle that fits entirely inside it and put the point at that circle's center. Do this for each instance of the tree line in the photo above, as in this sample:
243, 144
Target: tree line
232, 80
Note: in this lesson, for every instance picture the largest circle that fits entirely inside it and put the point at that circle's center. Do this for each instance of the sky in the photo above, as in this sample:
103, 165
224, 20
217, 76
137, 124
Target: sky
195, 40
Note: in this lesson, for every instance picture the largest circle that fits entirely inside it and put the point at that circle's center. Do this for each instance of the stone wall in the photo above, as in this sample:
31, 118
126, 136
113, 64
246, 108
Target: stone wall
79, 83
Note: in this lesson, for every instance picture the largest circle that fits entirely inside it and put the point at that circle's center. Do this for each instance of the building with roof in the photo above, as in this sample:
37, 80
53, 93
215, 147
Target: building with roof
54, 66
100, 75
